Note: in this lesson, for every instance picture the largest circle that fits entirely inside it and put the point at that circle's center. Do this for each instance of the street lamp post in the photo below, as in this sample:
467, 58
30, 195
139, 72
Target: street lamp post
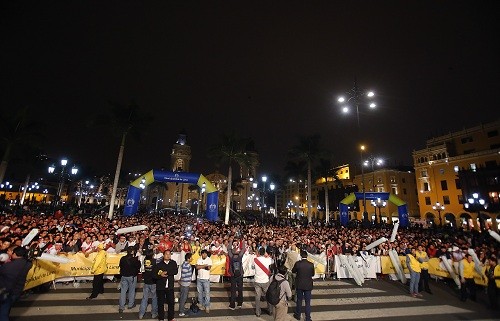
272, 186
438, 207
52, 168
365, 213
358, 96
478, 203
200, 198
373, 161
378, 204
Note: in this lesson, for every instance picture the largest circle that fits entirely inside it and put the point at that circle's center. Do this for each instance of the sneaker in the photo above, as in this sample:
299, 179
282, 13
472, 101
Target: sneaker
154, 316
140, 317
120, 310
180, 314
239, 306
232, 308
131, 307
207, 310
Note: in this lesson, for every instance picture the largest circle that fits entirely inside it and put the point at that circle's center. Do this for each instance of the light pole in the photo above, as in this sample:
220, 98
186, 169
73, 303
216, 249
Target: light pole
476, 202
438, 207
358, 97
52, 168
378, 204
200, 198
365, 213
373, 161
272, 186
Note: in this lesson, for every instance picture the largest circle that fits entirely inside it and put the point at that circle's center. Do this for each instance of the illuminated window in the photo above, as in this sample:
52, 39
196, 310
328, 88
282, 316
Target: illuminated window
426, 187
473, 167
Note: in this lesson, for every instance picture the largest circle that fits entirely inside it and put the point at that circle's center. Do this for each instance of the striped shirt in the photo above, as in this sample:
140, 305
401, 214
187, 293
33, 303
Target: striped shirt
186, 273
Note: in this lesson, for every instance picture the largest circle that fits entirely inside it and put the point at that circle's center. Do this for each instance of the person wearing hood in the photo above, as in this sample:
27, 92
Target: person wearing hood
99, 267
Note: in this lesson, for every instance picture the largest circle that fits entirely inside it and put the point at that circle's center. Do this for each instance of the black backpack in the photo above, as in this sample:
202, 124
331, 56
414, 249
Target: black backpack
237, 268
273, 292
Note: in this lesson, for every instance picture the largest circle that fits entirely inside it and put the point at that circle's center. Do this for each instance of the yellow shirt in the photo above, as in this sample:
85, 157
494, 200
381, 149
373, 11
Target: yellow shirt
414, 264
422, 254
468, 269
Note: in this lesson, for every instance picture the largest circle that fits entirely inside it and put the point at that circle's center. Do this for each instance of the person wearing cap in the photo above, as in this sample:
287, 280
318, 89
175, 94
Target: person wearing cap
12, 279
99, 267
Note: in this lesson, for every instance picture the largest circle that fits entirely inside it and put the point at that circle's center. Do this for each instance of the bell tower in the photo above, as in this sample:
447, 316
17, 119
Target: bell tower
181, 154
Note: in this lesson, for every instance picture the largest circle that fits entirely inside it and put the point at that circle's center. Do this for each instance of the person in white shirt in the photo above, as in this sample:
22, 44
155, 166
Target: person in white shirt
203, 266
261, 279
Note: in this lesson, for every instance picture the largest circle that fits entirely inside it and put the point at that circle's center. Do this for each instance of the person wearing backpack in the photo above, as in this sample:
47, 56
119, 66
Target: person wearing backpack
278, 293
236, 274
304, 285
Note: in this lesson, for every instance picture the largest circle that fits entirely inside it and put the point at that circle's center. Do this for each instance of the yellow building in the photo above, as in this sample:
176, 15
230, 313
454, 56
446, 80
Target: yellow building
436, 169
398, 181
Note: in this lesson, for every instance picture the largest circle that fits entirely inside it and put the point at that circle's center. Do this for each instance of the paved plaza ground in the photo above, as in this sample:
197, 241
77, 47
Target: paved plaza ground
332, 300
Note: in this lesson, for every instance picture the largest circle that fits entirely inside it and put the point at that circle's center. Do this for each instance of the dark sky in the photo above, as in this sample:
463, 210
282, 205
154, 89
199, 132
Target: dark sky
269, 70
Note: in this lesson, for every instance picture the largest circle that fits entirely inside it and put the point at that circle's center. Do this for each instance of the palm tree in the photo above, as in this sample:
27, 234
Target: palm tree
232, 149
17, 130
123, 120
308, 149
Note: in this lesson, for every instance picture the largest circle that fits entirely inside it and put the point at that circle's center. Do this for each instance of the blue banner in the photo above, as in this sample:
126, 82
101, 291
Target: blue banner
132, 201
372, 195
344, 214
136, 187
403, 216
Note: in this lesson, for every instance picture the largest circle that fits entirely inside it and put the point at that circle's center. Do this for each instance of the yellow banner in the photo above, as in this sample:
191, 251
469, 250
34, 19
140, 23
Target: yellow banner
435, 268
388, 268
44, 271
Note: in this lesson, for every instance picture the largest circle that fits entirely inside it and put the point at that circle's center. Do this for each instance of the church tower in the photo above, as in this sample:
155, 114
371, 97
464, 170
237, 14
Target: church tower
181, 154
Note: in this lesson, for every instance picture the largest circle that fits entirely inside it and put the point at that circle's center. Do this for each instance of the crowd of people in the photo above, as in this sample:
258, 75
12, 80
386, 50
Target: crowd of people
279, 250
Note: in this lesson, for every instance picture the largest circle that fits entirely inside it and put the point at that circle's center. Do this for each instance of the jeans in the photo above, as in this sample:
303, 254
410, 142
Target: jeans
414, 280
149, 291
183, 298
306, 295
127, 284
5, 306
203, 287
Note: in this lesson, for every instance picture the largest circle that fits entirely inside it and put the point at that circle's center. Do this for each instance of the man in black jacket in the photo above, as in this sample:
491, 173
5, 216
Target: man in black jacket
12, 279
164, 273
303, 284
129, 269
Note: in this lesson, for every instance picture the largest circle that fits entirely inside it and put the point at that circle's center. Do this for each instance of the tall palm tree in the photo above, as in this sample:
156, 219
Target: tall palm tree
232, 149
16, 131
309, 150
123, 120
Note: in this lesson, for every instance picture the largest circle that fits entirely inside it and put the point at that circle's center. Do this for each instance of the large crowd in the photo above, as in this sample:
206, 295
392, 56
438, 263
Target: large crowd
73, 233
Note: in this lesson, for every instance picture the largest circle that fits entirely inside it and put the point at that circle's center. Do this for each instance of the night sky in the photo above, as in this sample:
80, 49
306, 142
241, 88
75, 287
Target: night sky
269, 70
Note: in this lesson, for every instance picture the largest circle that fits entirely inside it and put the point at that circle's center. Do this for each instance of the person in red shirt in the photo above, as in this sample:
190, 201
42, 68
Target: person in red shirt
431, 251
